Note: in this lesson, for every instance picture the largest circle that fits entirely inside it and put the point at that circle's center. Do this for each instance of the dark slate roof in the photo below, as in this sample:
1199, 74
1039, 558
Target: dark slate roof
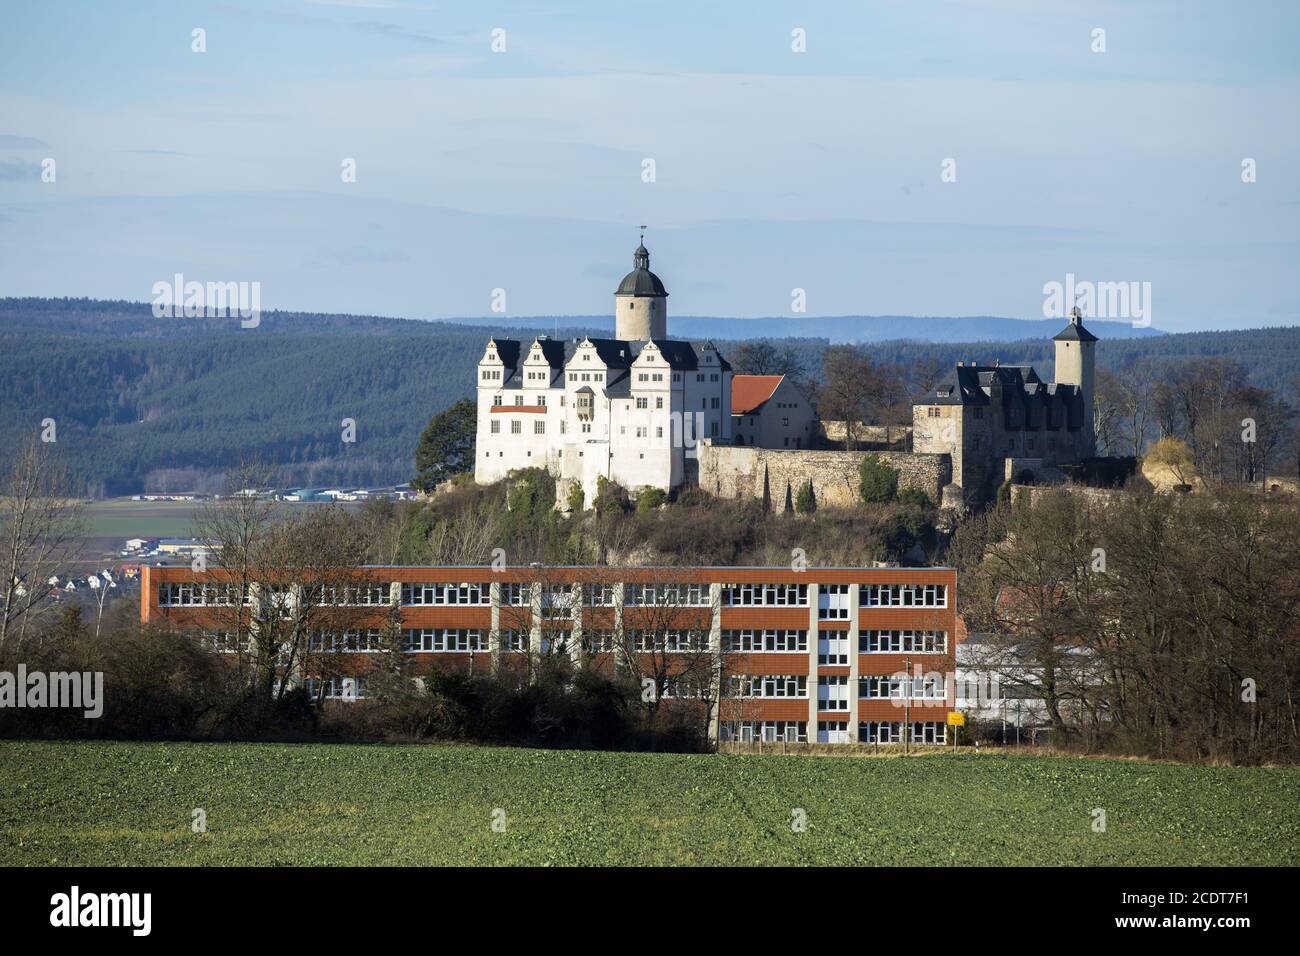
679, 355
962, 386
1074, 332
554, 351
641, 282
971, 384
619, 384
508, 349
617, 354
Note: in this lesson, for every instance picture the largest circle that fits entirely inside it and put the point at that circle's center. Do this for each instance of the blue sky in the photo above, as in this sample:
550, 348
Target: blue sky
774, 170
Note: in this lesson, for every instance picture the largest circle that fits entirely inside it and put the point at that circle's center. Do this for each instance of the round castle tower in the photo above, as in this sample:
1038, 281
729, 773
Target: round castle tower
640, 301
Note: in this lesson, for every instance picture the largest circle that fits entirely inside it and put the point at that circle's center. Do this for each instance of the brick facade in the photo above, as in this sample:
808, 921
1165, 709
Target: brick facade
836, 627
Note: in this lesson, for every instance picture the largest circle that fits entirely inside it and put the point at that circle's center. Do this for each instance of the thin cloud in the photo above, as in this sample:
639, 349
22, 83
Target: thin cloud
15, 170
8, 141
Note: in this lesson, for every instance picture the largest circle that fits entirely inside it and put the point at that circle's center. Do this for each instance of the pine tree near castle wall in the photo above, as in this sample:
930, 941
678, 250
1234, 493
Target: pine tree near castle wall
446, 446
878, 481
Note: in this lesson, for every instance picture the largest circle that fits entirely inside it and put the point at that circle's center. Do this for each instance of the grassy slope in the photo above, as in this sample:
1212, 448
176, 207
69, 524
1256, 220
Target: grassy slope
119, 803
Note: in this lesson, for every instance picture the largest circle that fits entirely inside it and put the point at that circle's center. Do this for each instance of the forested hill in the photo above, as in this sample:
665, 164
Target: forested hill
170, 404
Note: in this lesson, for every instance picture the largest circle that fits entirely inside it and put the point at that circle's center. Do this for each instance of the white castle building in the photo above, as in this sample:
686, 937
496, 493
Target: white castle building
630, 409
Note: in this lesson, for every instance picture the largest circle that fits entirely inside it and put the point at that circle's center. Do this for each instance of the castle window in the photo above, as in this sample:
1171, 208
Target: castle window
515, 427
519, 399
933, 411
541, 401
539, 428
979, 413
496, 428
496, 400
642, 403
659, 402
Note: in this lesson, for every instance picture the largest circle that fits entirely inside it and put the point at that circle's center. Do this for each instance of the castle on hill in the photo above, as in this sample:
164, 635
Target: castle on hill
631, 409
640, 409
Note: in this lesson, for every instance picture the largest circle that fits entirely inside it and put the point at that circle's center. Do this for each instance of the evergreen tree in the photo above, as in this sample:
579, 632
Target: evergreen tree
806, 501
446, 446
879, 482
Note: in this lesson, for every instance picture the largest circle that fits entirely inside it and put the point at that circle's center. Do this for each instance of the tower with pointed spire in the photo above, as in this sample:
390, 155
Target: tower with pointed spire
640, 301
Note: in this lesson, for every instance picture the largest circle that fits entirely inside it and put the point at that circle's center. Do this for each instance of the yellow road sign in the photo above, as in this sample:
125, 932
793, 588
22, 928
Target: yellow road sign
956, 718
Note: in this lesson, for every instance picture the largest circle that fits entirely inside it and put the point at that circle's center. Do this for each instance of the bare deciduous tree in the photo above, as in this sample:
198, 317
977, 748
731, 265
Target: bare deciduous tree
279, 579
42, 527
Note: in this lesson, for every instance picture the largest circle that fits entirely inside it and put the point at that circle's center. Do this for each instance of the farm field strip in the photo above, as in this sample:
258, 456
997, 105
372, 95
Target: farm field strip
110, 803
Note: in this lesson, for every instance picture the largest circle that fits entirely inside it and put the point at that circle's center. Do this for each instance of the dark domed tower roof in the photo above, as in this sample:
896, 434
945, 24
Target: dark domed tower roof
641, 281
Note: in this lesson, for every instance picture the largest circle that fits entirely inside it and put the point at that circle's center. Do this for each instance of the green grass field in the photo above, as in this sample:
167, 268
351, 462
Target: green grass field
122, 803
123, 518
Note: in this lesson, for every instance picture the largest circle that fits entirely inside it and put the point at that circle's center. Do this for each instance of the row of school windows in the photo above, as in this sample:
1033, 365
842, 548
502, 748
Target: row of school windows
832, 731
833, 646
833, 691
196, 594
833, 600
597, 641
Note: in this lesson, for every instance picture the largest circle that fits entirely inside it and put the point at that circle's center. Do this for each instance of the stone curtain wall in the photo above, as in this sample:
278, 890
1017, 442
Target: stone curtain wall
729, 471
875, 436
1033, 494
